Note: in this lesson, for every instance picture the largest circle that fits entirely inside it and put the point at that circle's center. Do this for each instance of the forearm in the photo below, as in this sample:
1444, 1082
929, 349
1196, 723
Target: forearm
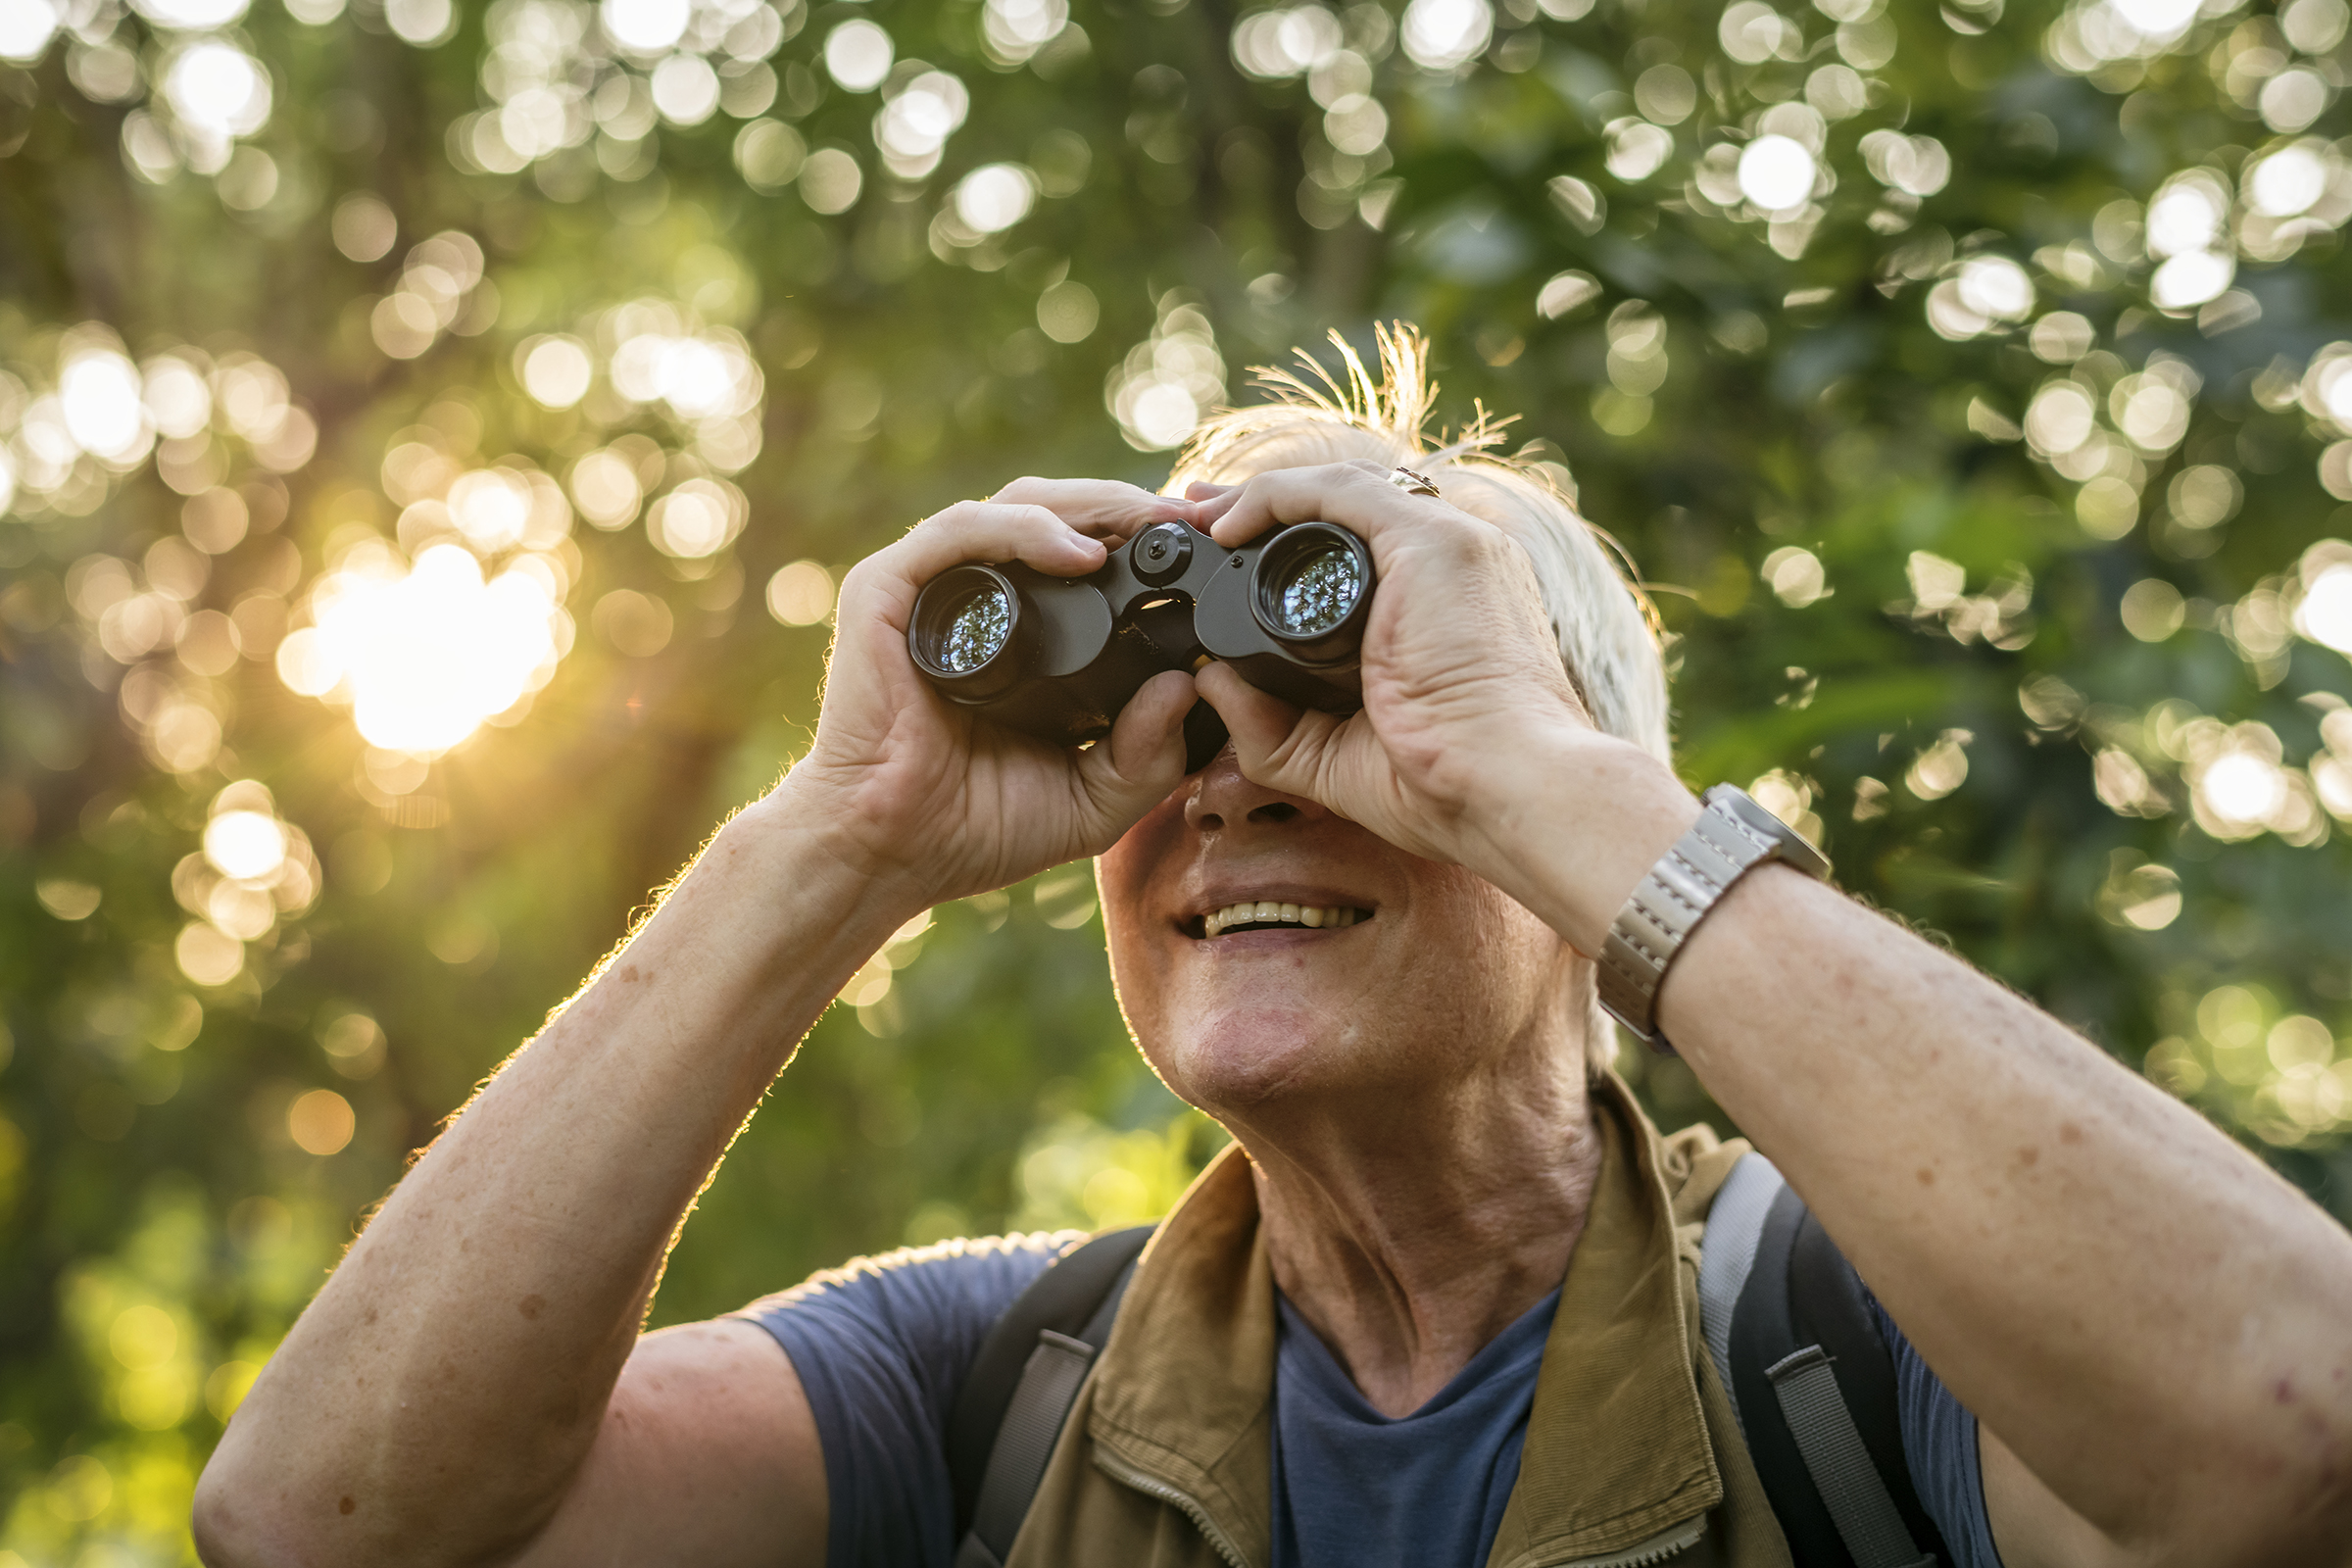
2146, 1315
435, 1401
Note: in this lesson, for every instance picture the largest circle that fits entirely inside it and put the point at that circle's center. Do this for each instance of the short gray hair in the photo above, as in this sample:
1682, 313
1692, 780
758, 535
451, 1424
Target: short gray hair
1607, 631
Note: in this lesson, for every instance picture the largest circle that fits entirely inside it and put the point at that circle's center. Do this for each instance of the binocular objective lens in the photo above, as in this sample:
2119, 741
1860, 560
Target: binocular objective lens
1319, 590
978, 631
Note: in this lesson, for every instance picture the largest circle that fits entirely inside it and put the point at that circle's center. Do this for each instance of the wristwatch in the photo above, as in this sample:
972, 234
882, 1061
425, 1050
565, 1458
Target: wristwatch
1732, 836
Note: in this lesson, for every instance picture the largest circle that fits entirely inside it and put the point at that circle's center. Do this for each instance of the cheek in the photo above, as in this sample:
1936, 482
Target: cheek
1486, 958
1146, 853
1128, 877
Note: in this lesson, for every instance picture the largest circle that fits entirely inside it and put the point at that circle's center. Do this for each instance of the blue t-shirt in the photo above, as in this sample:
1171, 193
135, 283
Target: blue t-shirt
882, 1346
1353, 1486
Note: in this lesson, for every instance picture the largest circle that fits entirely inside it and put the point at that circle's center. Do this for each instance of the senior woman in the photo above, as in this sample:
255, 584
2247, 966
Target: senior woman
1435, 1307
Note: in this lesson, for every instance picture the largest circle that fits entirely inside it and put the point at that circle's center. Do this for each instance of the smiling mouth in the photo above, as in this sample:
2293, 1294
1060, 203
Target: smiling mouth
1265, 915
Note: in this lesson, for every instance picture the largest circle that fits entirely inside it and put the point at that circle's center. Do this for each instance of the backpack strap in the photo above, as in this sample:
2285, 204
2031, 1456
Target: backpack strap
1816, 1389
1018, 1392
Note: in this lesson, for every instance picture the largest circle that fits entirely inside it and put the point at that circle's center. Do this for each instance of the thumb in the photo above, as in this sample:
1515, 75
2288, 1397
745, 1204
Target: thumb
1279, 746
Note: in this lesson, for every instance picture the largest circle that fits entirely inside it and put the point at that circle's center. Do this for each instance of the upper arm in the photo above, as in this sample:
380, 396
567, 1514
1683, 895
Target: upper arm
2030, 1525
707, 1454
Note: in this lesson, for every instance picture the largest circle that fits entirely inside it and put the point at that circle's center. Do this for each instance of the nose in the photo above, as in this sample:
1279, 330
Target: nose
1222, 798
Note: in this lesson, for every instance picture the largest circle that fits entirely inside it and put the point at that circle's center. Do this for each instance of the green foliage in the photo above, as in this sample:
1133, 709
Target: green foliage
1987, 489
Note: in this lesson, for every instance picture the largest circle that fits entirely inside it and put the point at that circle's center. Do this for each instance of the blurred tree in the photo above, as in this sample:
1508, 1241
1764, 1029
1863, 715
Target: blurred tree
430, 439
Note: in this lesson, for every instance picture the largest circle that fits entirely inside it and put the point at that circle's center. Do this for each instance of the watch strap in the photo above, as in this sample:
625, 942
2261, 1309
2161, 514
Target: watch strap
1732, 836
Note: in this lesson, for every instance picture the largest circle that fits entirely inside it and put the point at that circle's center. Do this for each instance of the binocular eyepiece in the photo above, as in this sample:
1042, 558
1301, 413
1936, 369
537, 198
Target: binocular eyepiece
1058, 656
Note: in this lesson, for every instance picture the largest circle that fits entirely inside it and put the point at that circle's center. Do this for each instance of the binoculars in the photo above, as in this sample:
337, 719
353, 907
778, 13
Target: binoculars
1058, 657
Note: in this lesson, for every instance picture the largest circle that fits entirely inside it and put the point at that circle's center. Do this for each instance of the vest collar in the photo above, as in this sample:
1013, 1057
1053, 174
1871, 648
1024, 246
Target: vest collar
1617, 1465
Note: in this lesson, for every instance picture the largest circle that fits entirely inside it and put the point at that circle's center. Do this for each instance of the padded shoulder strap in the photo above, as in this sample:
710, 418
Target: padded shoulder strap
1815, 1384
1067, 1309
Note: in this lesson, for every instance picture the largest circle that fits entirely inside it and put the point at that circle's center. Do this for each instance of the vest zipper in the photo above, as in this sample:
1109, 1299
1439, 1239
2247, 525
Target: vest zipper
1643, 1553
1152, 1486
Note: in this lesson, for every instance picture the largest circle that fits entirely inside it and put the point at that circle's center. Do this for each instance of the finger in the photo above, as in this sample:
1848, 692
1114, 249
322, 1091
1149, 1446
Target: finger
1355, 495
984, 530
1203, 490
1277, 745
1208, 509
1143, 756
1101, 509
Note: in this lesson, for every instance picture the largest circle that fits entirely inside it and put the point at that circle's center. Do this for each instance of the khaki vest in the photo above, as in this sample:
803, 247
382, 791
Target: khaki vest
1633, 1455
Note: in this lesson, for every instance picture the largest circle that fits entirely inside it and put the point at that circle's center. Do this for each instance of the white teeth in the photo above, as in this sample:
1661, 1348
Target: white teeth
1264, 911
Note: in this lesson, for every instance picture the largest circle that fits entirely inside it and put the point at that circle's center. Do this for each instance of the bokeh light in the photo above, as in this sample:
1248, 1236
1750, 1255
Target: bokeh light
425, 653
556, 370
320, 1122
994, 196
191, 16
1776, 173
2288, 181
1996, 288
1285, 41
1444, 35
245, 844
25, 28
606, 487
645, 27
857, 55
177, 397
218, 89
801, 594
364, 227
1013, 31
2326, 615
697, 519
1638, 149
1167, 382
99, 396
685, 89
915, 124
830, 181
769, 153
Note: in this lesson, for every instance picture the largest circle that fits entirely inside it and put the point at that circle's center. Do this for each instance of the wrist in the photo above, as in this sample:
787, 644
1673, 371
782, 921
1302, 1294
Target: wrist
1571, 822
809, 836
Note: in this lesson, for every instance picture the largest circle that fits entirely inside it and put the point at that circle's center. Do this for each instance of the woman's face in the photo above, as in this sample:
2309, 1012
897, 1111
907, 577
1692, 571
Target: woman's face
1438, 975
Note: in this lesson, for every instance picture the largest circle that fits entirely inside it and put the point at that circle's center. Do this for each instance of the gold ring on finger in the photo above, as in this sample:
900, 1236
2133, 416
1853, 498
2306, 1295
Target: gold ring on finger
1412, 483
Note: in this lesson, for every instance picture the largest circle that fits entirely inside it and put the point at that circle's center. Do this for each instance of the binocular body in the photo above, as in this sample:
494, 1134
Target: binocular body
1058, 657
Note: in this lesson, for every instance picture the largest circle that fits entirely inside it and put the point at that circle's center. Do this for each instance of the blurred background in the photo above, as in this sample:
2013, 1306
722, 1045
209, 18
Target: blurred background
431, 436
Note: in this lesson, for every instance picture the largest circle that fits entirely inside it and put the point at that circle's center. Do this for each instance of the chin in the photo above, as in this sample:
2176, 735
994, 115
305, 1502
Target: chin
1241, 1057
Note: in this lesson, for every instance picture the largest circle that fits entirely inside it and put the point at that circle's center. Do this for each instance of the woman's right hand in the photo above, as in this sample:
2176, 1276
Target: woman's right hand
912, 788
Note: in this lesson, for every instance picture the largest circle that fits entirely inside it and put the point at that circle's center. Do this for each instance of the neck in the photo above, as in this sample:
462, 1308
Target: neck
1412, 1230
